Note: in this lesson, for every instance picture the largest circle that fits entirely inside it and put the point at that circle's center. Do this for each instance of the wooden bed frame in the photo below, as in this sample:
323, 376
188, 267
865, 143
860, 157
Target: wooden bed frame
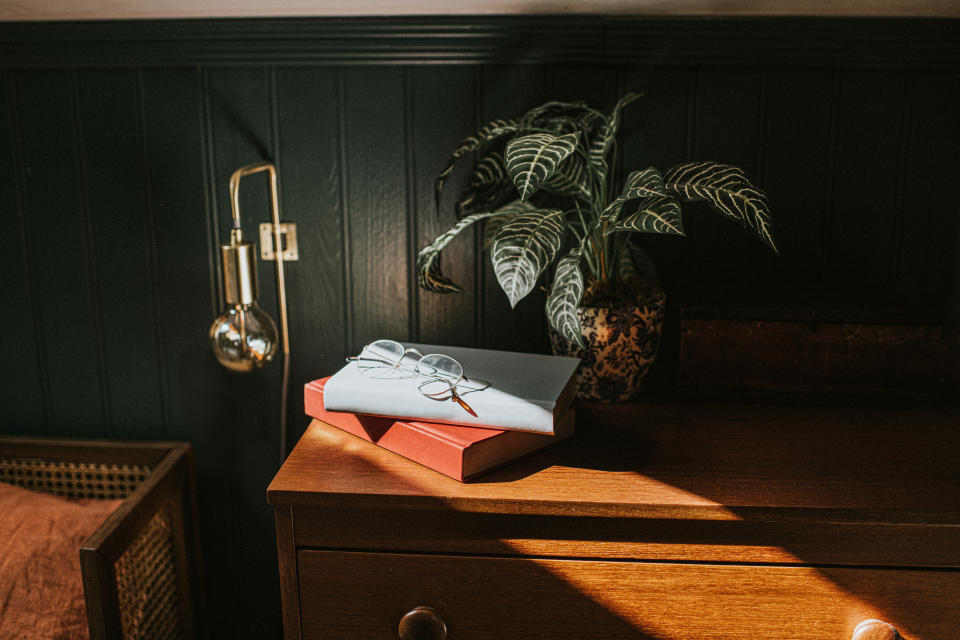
141, 568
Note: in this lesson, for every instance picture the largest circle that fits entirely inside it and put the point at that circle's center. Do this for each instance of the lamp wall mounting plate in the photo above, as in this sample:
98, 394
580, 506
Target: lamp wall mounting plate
288, 233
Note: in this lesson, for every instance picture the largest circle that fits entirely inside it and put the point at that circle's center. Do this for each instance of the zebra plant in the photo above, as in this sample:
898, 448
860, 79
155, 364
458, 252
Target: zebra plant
545, 190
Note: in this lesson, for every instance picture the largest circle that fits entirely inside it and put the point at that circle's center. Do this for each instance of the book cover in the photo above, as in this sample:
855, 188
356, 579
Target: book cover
455, 451
525, 392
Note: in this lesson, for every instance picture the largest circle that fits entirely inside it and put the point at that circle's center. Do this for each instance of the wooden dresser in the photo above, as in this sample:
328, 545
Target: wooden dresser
655, 521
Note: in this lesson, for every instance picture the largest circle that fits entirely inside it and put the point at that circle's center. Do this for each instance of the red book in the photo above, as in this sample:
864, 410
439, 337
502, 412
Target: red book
456, 451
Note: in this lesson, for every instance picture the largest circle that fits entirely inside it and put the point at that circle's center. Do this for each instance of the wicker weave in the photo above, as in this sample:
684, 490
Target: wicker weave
147, 584
74, 479
146, 572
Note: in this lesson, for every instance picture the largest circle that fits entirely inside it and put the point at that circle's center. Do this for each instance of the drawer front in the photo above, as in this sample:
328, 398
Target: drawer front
364, 595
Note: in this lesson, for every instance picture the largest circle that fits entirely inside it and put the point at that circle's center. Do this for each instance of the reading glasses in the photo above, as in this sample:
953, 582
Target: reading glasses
388, 359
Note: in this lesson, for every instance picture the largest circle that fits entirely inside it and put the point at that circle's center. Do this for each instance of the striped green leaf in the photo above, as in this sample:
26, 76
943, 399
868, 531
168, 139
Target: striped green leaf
564, 298
612, 212
550, 112
644, 184
491, 131
655, 215
728, 190
429, 276
640, 184
533, 158
571, 179
523, 248
507, 212
489, 186
603, 141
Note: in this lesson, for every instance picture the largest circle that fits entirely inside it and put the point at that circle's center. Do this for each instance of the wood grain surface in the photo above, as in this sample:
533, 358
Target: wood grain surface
364, 595
838, 363
709, 462
670, 539
287, 563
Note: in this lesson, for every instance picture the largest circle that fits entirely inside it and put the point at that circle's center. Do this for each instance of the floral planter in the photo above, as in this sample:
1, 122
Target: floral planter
621, 344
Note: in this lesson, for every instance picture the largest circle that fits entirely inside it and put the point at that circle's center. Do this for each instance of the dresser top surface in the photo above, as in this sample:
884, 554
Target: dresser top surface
720, 462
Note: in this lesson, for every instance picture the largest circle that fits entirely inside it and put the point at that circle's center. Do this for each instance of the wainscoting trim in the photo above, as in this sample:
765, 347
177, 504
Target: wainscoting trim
759, 42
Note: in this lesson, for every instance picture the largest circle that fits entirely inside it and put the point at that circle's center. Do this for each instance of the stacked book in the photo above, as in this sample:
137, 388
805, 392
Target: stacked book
521, 405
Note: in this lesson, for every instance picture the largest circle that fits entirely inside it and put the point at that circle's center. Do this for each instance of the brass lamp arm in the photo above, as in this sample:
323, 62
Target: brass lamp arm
236, 235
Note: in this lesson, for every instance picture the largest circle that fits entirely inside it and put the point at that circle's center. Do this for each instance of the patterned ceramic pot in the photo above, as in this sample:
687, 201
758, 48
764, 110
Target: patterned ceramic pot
621, 344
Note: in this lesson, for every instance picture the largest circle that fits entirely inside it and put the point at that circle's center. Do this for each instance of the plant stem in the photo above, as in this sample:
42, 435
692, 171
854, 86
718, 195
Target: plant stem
603, 242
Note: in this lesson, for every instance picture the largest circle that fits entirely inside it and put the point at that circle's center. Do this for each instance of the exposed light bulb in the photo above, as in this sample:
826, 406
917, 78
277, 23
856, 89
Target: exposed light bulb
244, 337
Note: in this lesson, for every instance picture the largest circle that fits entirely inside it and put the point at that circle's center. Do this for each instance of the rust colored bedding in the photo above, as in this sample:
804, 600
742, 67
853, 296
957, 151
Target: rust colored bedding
41, 594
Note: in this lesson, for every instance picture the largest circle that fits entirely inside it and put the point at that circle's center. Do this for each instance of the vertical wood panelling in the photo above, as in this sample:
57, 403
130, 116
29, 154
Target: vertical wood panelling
479, 261
509, 92
657, 131
410, 191
796, 170
728, 112
21, 395
90, 252
110, 129
654, 133
443, 114
307, 121
195, 392
241, 121
928, 247
153, 249
376, 205
594, 84
171, 104
347, 264
63, 289
864, 204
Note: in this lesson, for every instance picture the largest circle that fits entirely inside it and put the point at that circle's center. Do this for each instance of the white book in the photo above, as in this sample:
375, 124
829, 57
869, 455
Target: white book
526, 392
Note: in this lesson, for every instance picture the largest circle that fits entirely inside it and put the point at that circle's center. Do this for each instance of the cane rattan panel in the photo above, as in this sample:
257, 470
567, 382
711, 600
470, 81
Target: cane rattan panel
147, 584
74, 479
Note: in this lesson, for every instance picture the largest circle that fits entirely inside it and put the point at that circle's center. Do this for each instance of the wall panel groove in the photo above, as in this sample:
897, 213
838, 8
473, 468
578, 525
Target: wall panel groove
479, 273
88, 244
152, 249
211, 199
830, 193
899, 206
27, 396
345, 209
763, 108
413, 235
57, 230
275, 130
442, 115
113, 158
692, 106
240, 101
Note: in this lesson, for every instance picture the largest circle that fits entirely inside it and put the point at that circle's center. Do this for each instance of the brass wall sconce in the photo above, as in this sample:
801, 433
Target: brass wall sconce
244, 337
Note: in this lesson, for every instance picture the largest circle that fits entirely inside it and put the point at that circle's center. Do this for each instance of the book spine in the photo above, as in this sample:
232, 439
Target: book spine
439, 454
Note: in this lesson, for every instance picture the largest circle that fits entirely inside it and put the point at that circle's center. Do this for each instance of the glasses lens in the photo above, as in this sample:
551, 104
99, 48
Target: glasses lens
380, 360
388, 350
437, 365
436, 389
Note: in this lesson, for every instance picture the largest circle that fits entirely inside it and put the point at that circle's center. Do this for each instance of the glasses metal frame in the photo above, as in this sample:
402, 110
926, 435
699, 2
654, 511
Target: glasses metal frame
417, 370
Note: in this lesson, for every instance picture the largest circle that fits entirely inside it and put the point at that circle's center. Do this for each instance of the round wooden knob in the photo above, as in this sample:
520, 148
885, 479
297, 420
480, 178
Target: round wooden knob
422, 623
875, 630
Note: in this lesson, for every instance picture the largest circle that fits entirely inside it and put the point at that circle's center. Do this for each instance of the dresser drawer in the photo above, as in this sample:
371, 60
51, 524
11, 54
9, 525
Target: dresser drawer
364, 595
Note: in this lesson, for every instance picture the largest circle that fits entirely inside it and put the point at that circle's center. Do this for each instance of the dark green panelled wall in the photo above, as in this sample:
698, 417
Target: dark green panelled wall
117, 141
